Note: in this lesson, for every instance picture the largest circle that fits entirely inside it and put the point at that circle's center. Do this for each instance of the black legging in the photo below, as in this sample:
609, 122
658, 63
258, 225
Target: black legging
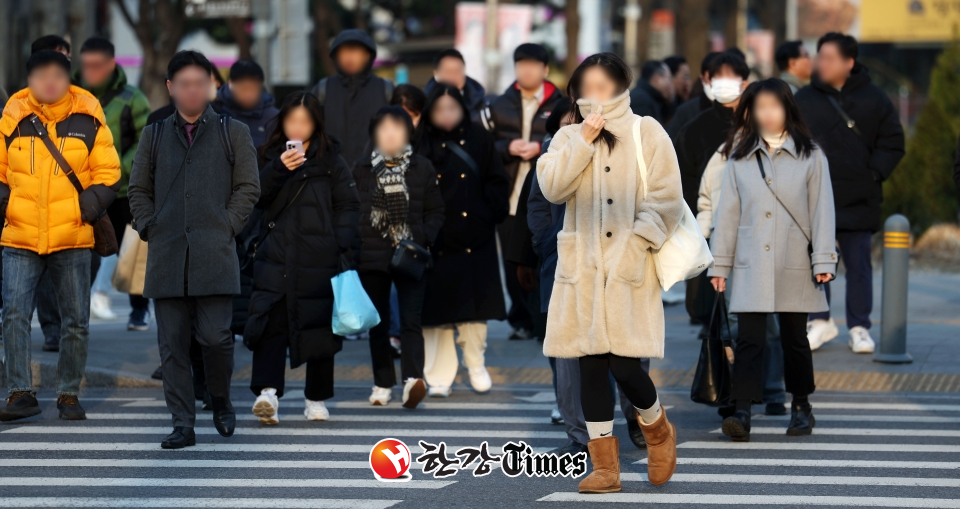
797, 358
595, 395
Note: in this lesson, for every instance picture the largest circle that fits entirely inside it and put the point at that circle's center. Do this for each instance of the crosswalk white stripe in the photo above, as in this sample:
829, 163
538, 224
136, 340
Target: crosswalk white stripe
256, 503
124, 463
224, 448
875, 432
819, 446
380, 432
94, 398
459, 419
865, 418
763, 500
119, 482
889, 407
803, 479
779, 462
298, 403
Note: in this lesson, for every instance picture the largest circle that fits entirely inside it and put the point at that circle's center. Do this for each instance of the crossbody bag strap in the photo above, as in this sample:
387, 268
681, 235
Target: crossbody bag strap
462, 154
273, 218
763, 175
57, 156
851, 124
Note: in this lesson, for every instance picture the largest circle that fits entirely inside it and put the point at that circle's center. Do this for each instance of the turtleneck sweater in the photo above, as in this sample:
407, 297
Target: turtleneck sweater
774, 141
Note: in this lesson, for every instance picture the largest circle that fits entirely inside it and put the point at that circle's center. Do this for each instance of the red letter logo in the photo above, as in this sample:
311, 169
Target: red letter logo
390, 459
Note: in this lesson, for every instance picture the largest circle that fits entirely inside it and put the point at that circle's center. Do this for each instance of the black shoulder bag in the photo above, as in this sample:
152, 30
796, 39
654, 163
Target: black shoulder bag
713, 378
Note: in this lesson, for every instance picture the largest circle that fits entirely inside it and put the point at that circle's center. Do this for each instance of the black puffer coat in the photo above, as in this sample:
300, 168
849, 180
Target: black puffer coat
504, 119
464, 284
858, 164
303, 251
425, 213
695, 145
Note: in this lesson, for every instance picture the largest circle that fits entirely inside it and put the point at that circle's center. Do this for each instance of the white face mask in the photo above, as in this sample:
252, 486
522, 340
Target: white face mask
726, 90
707, 91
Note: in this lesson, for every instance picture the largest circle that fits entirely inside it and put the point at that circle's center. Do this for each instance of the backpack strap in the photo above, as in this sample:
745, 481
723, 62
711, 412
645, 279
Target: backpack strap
388, 90
155, 145
320, 90
223, 127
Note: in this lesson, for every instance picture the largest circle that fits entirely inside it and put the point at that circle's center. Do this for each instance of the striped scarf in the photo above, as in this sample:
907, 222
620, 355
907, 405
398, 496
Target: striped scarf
391, 201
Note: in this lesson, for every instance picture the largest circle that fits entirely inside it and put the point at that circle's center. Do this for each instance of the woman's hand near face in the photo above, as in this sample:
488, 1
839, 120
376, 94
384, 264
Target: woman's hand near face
591, 127
292, 159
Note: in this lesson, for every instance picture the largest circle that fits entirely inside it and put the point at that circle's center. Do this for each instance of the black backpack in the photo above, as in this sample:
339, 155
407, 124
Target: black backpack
223, 128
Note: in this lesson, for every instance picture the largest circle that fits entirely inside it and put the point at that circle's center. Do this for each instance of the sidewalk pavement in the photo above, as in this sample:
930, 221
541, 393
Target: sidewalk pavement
118, 358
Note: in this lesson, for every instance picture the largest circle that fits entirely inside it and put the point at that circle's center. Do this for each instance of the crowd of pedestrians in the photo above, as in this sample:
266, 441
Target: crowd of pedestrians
250, 210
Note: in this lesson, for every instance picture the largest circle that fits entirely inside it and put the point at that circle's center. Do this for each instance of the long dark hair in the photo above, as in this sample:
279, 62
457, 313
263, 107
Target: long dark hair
616, 69
425, 128
277, 139
745, 136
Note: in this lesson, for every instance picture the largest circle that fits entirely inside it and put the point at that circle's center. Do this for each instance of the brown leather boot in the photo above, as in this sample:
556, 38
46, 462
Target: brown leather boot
661, 437
605, 456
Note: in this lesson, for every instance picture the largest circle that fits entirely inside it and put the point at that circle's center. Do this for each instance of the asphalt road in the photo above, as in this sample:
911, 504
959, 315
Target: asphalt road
869, 450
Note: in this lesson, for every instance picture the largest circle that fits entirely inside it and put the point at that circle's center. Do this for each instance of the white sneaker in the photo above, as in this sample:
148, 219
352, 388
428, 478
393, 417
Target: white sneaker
414, 390
819, 332
100, 306
267, 407
860, 340
380, 396
480, 379
315, 411
436, 391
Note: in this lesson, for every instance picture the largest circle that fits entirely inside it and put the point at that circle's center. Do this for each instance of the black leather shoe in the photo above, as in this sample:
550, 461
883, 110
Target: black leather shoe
180, 438
775, 409
157, 373
51, 344
636, 434
224, 418
70, 409
801, 421
737, 426
20, 405
571, 447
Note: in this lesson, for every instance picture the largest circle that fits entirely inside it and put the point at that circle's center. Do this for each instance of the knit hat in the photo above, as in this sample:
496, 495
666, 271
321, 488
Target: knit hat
531, 51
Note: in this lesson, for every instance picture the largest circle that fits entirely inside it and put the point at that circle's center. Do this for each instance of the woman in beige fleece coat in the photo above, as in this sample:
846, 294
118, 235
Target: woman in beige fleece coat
606, 307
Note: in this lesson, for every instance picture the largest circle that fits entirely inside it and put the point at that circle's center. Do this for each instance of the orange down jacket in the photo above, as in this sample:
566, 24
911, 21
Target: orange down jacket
43, 212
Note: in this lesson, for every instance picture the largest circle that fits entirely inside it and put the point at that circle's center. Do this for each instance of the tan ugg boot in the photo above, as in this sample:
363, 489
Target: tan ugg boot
605, 456
661, 437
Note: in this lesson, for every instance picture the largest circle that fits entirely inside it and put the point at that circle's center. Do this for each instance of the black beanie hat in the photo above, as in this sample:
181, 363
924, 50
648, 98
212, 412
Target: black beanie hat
531, 51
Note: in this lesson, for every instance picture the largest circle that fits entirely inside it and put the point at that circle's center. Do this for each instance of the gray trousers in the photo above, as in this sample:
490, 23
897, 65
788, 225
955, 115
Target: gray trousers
211, 316
568, 398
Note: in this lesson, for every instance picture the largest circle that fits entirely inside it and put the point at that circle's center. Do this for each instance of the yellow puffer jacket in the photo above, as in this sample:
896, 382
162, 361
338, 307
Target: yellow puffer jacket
44, 213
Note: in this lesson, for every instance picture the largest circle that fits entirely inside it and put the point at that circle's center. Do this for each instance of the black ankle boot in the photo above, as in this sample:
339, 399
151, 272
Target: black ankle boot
737, 426
224, 418
801, 420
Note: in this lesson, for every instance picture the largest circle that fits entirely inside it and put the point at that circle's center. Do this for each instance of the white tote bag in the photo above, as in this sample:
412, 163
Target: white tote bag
685, 254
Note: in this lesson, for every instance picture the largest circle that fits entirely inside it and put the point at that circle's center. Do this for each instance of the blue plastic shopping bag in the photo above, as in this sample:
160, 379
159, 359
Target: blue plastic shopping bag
353, 311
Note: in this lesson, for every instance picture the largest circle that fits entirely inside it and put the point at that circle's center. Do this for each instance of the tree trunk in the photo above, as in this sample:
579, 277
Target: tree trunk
323, 22
573, 37
693, 31
359, 16
159, 29
238, 29
643, 34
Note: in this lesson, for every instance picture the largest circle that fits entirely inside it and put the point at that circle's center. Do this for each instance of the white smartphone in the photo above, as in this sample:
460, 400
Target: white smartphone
295, 145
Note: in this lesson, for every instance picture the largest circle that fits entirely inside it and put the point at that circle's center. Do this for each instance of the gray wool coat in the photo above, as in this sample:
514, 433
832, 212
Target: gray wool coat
189, 217
757, 239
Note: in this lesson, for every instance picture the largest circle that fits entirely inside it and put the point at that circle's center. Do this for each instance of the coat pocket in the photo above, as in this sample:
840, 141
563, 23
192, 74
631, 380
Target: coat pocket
568, 257
744, 247
797, 255
632, 266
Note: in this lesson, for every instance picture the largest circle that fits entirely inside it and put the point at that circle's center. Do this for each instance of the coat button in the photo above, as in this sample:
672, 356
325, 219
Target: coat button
833, 256
188, 195
609, 234
439, 175
609, 201
189, 160
462, 142
443, 145
607, 169
766, 248
769, 214
271, 224
463, 175
188, 229
468, 251
464, 214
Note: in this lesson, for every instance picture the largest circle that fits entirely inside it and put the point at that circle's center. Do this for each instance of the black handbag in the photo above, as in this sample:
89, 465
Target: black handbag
410, 260
713, 379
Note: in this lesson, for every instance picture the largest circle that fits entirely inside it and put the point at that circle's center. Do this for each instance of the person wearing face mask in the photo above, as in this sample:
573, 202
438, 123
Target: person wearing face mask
463, 288
698, 102
399, 200
623, 201
774, 239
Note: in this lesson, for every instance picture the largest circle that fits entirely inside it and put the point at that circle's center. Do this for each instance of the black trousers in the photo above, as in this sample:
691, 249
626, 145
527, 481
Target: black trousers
120, 216
596, 398
518, 315
270, 361
751, 346
211, 316
410, 297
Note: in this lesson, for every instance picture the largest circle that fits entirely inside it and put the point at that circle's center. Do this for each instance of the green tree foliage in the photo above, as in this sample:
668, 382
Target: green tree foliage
922, 187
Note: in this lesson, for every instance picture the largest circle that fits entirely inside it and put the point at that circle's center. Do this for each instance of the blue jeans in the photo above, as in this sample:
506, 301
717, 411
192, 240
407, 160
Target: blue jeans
69, 272
855, 254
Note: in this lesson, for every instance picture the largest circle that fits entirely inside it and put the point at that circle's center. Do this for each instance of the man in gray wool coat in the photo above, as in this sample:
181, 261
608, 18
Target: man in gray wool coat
188, 205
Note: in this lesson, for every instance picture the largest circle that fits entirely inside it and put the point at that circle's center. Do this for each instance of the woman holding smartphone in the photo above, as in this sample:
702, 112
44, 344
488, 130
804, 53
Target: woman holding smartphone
775, 232
310, 218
